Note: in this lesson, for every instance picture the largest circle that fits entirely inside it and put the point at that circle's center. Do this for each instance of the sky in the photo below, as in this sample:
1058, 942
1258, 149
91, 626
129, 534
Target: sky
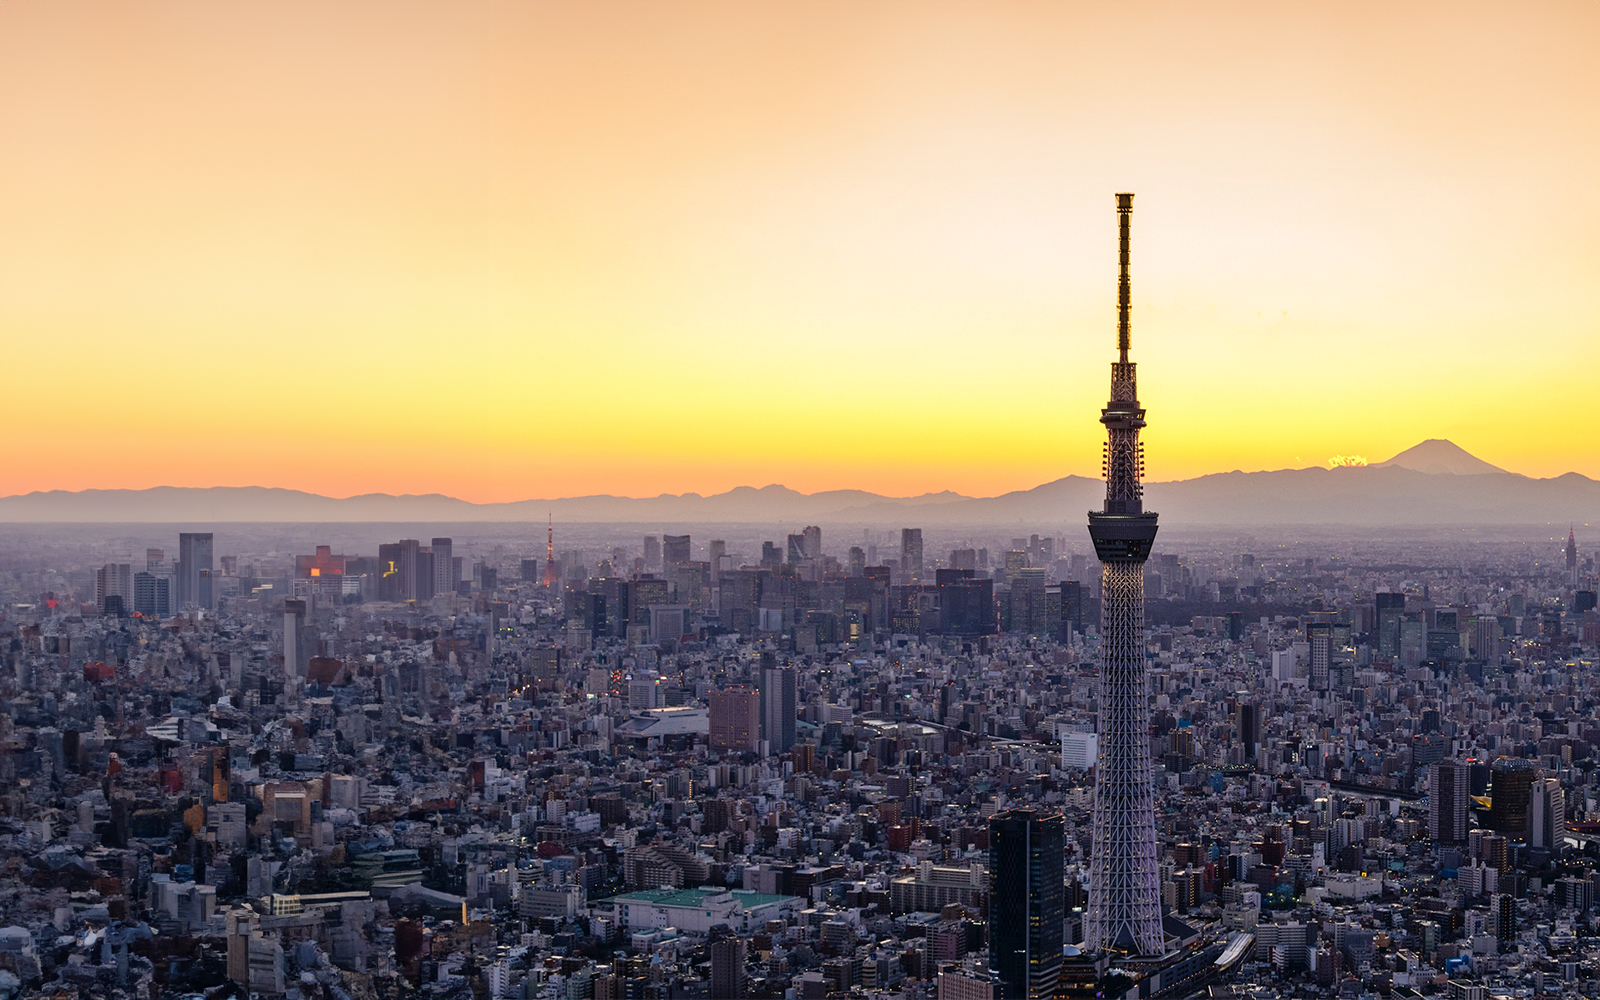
513, 250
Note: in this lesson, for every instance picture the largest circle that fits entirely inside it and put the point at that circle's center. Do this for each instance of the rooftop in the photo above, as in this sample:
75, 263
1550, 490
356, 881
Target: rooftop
691, 898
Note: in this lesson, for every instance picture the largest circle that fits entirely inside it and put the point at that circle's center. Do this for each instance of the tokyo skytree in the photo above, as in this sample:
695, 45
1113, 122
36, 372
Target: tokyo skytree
1124, 881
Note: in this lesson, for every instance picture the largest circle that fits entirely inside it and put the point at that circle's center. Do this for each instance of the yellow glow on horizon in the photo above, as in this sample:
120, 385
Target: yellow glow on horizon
508, 250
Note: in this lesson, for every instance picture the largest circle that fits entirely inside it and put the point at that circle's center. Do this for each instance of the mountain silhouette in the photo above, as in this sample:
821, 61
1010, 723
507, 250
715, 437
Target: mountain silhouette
1435, 482
1439, 457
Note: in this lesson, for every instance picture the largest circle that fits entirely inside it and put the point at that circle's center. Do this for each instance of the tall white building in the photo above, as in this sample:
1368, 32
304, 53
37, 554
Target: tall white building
1079, 751
1547, 813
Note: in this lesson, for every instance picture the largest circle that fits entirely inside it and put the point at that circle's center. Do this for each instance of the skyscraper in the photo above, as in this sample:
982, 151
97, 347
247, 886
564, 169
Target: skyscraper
1249, 728
295, 654
1547, 814
152, 595
911, 554
113, 588
1027, 902
811, 547
1510, 788
1124, 911
674, 550
444, 566
778, 696
1448, 782
735, 719
1388, 609
1319, 637
390, 579
194, 569
727, 967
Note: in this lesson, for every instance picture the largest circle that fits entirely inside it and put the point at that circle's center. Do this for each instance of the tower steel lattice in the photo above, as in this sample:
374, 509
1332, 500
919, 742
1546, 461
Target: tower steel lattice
1124, 881
552, 576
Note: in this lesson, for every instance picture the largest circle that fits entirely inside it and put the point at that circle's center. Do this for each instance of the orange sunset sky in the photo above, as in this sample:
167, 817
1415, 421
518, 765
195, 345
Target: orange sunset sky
510, 250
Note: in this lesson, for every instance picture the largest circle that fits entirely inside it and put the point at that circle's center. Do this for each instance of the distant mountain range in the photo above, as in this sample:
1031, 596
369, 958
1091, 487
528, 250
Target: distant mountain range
1435, 482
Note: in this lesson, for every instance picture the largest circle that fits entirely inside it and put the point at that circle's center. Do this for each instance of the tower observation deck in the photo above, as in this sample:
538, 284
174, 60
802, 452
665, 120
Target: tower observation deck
1124, 881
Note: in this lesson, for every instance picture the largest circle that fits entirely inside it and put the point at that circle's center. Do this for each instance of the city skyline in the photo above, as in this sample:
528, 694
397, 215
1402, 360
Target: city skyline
695, 248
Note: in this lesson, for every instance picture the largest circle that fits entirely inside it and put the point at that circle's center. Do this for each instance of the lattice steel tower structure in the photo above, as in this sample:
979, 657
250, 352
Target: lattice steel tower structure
1124, 881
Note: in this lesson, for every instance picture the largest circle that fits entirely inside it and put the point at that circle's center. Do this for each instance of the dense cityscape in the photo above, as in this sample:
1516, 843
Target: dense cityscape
668, 767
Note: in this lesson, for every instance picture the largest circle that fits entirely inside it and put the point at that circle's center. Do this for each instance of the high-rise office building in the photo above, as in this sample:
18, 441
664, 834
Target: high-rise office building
966, 603
1124, 912
652, 554
778, 698
811, 542
295, 655
911, 554
1510, 788
1388, 609
1487, 642
1413, 639
1071, 609
194, 570
674, 550
416, 571
152, 595
1249, 728
735, 719
1027, 902
444, 566
1547, 814
113, 589
406, 571
1025, 603
1319, 637
390, 579
1448, 782
422, 579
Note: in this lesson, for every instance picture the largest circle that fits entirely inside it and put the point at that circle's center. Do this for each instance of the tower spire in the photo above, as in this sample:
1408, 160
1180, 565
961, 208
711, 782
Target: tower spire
551, 577
1124, 294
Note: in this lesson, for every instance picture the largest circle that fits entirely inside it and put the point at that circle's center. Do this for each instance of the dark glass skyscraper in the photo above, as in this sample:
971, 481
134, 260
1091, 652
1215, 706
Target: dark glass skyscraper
1510, 788
1027, 902
1448, 782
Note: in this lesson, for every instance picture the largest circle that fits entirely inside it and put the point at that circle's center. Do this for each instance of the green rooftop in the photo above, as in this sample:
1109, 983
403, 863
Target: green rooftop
694, 898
